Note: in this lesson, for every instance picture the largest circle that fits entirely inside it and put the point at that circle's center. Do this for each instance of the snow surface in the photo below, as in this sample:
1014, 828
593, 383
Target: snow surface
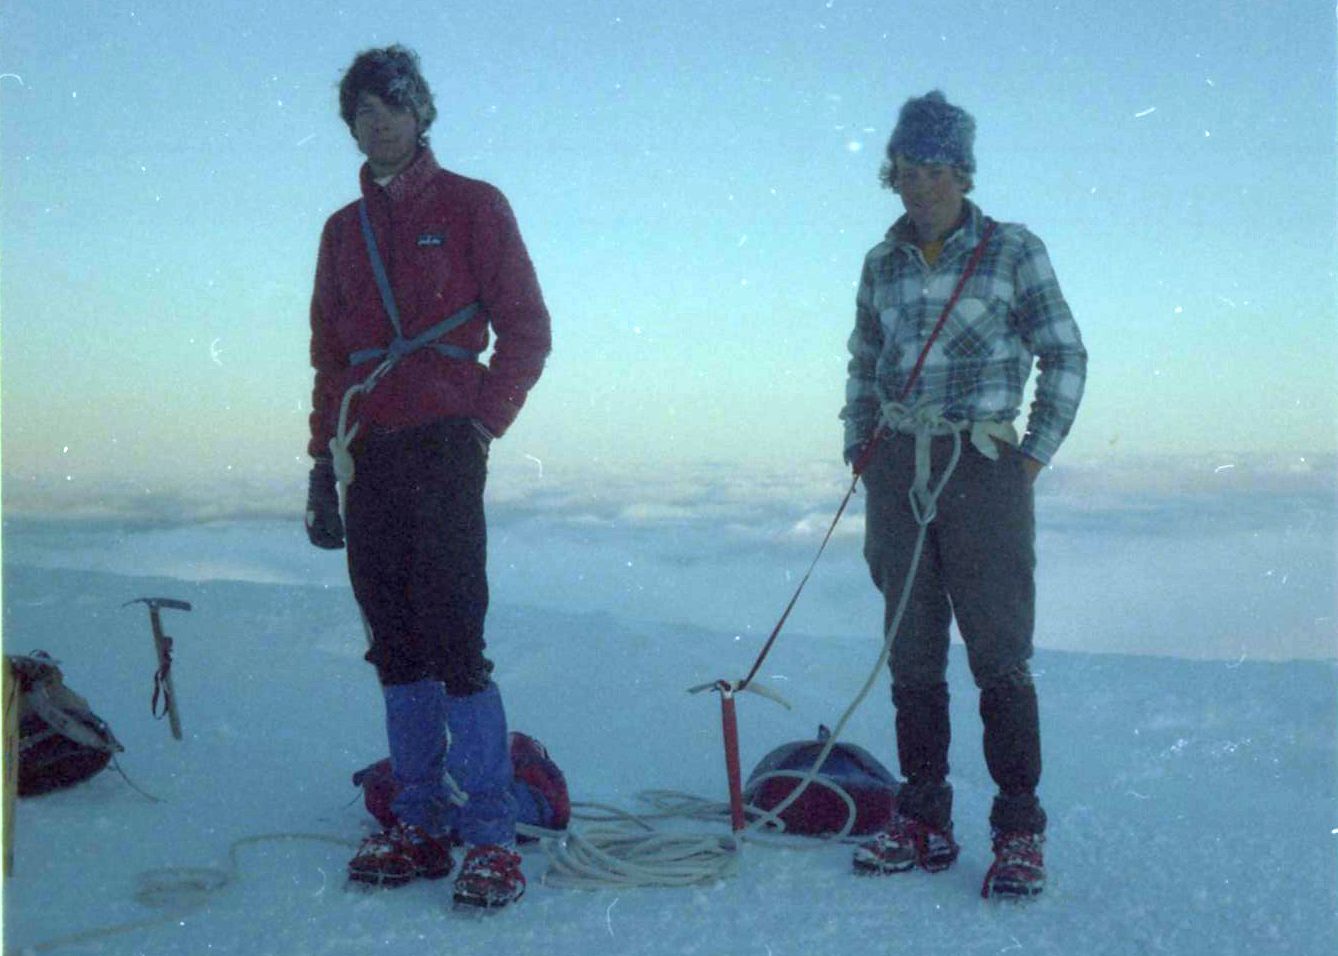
1192, 801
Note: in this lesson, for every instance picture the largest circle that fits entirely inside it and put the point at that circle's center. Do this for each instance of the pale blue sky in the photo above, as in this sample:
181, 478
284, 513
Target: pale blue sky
697, 185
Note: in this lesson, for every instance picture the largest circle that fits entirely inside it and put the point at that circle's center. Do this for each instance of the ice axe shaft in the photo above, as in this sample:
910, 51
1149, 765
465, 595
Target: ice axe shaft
729, 725
729, 728
162, 645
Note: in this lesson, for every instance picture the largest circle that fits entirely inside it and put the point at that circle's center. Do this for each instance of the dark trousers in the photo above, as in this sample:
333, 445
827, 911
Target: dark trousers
417, 553
978, 566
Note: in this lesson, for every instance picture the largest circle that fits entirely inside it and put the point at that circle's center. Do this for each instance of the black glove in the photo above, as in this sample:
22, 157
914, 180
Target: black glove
324, 526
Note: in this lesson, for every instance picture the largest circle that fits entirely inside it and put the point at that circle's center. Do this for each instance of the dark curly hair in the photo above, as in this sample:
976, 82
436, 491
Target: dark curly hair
393, 75
887, 177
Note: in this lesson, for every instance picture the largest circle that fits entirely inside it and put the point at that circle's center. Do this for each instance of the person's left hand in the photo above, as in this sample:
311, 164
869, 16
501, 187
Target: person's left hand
325, 528
1032, 467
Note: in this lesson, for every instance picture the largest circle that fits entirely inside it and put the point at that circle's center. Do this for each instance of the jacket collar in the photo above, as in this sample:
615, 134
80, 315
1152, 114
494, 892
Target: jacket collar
410, 180
966, 235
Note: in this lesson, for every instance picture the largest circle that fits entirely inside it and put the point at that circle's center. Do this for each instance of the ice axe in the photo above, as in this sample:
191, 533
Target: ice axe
162, 644
729, 726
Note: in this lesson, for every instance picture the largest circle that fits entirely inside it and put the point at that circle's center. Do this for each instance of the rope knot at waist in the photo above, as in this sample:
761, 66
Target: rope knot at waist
927, 422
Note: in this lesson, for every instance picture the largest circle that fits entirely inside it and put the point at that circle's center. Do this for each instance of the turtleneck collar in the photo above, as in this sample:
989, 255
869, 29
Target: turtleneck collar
407, 182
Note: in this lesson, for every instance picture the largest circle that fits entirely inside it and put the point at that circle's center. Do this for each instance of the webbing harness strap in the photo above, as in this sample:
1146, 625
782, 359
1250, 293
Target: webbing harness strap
402, 346
426, 339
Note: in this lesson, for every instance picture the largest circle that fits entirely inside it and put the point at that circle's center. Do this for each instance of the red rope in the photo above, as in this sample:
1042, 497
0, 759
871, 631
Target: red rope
952, 301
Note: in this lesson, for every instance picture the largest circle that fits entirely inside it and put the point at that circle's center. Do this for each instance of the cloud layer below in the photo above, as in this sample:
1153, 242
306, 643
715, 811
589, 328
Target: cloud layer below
1226, 560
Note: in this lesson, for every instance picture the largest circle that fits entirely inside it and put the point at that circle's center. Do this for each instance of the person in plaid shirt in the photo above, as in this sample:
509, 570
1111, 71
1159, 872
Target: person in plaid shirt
955, 417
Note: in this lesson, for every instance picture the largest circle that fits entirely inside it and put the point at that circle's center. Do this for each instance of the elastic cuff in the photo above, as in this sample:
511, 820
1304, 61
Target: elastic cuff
1033, 447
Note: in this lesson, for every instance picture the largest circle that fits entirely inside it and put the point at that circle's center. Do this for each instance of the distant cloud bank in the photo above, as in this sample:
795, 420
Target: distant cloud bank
800, 498
1218, 557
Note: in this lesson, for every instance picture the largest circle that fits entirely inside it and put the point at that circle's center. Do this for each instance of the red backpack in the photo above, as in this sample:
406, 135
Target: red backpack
61, 741
820, 809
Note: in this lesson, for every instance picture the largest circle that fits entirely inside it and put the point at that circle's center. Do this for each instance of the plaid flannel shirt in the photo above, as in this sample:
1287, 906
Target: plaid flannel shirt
1010, 313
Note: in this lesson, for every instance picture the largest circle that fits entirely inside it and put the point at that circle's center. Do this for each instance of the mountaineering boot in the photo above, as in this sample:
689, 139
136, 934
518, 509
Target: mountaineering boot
1018, 871
416, 731
906, 843
490, 877
399, 855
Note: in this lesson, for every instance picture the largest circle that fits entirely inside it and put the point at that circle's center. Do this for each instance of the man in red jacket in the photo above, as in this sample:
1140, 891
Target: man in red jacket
409, 280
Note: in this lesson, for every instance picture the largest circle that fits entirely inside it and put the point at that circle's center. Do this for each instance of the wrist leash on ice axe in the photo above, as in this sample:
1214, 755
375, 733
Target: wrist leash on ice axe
727, 689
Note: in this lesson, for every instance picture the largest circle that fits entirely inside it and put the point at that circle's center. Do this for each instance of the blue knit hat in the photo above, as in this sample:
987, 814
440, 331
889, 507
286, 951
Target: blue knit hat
932, 130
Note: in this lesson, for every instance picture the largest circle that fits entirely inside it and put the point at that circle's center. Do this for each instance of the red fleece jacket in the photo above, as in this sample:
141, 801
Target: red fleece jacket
446, 241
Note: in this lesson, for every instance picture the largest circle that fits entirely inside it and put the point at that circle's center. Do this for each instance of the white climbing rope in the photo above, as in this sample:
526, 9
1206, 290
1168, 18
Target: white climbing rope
341, 456
178, 890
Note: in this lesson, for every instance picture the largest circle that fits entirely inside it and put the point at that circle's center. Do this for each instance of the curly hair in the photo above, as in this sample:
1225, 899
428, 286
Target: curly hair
393, 74
887, 177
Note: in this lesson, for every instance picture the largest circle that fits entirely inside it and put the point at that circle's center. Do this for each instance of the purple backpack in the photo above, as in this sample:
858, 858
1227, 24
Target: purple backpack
819, 809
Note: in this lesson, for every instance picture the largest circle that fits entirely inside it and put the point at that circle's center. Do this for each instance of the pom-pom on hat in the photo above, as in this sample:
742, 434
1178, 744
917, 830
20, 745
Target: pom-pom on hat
932, 130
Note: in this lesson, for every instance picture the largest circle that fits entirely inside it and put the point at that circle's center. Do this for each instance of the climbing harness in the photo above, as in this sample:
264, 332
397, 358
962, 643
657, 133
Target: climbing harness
388, 356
